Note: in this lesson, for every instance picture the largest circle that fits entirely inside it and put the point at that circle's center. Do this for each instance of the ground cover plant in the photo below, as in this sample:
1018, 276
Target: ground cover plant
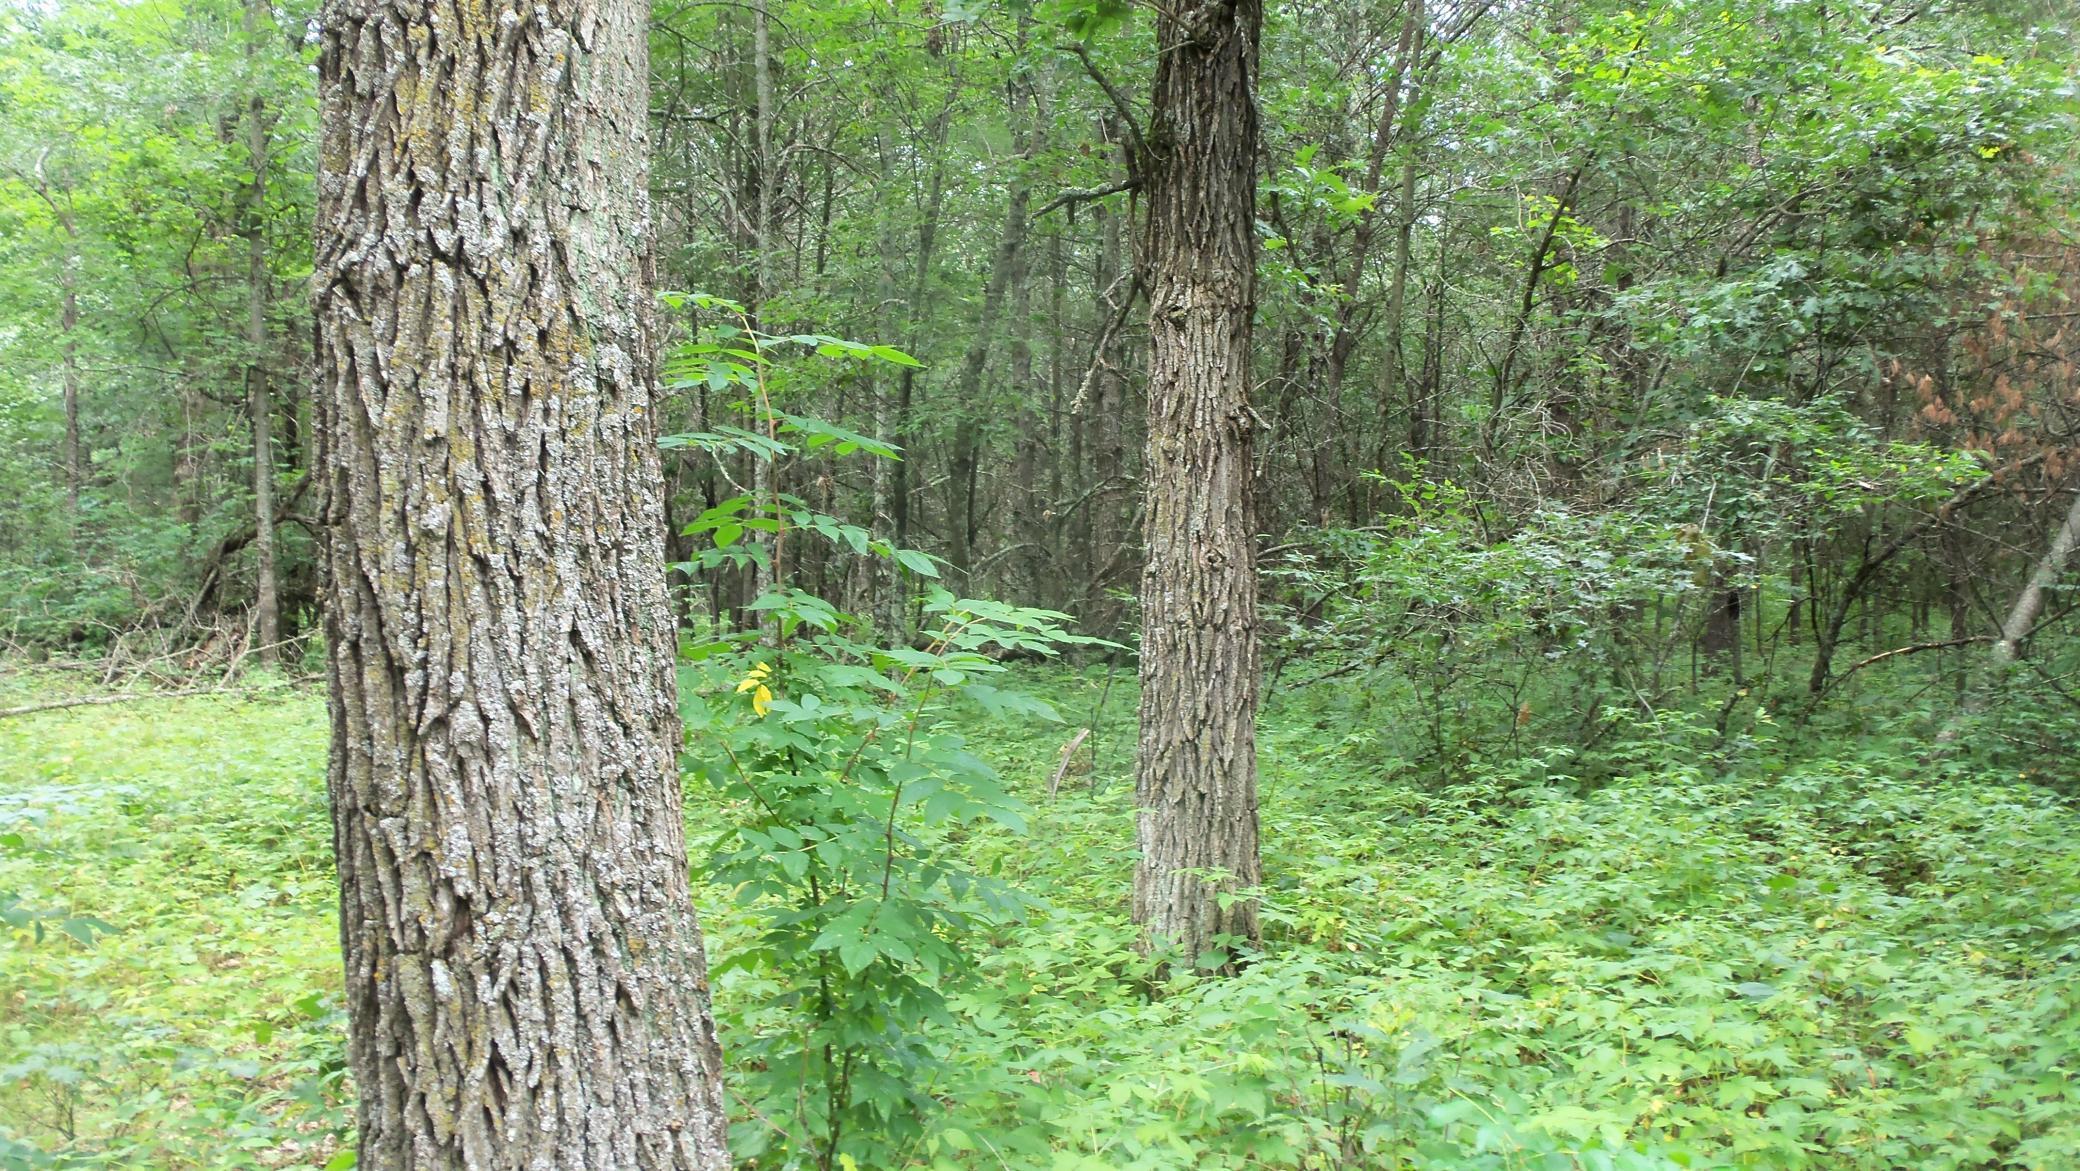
1715, 954
1306, 584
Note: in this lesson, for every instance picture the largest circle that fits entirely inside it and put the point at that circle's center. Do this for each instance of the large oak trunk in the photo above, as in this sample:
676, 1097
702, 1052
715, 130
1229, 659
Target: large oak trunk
525, 981
1196, 780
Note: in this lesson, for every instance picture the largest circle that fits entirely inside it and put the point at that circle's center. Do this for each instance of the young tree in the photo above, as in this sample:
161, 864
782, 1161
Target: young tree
1196, 781
525, 979
259, 403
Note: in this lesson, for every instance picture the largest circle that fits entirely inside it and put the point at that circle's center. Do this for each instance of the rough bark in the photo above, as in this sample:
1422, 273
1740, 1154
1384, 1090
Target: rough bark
525, 982
1196, 778
267, 607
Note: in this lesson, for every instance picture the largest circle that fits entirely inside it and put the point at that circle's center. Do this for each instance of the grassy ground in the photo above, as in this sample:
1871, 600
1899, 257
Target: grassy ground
1721, 956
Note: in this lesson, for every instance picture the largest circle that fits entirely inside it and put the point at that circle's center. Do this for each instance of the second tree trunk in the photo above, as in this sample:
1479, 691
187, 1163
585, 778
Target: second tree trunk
1196, 780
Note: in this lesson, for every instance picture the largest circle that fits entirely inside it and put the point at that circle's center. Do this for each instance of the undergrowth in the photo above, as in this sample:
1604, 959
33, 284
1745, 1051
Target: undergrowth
1685, 952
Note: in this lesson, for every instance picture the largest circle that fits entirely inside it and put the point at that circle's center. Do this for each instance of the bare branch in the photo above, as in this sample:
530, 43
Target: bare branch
1138, 145
1087, 194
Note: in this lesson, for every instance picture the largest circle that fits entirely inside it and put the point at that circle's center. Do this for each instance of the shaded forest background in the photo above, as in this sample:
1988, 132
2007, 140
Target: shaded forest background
1606, 356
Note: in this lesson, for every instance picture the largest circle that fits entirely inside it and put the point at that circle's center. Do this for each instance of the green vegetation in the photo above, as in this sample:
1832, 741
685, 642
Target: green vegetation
1639, 442
1717, 953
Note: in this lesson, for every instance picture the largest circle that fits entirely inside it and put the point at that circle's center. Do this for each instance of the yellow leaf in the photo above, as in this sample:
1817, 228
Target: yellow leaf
762, 699
756, 678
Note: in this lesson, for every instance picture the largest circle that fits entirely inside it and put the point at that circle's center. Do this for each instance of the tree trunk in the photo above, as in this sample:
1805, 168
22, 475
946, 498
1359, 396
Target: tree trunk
765, 470
1006, 269
525, 982
906, 381
1343, 339
2022, 618
1392, 369
259, 406
884, 585
1107, 525
2029, 604
967, 432
68, 327
1031, 432
1196, 779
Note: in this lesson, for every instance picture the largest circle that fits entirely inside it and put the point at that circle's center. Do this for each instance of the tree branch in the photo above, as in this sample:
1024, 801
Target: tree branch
1087, 194
1137, 144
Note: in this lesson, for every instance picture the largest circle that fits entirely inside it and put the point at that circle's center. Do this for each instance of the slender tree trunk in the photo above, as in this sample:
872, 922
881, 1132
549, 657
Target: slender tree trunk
884, 586
1424, 427
525, 983
2029, 604
1343, 340
764, 469
68, 330
1106, 526
967, 436
259, 405
1030, 433
1536, 265
906, 381
1007, 268
1196, 780
68, 322
1392, 369
190, 449
2022, 618
1049, 556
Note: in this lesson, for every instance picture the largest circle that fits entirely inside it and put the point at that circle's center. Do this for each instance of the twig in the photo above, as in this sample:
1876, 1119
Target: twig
1119, 318
97, 700
1054, 784
1098, 713
1908, 650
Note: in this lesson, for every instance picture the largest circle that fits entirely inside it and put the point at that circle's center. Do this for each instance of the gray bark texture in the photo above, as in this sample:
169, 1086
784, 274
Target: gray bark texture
525, 982
1196, 777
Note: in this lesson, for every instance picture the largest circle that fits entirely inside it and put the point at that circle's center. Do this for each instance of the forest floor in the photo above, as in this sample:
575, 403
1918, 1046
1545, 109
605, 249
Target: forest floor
1736, 956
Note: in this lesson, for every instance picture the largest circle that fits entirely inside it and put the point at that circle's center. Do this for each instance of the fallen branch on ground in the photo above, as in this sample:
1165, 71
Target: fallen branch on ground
127, 697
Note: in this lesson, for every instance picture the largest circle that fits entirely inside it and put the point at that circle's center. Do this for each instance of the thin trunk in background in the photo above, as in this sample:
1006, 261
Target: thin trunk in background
1006, 268
69, 263
763, 574
2029, 604
259, 404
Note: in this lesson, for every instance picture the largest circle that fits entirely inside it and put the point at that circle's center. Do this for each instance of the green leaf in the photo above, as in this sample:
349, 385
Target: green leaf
84, 928
857, 955
918, 563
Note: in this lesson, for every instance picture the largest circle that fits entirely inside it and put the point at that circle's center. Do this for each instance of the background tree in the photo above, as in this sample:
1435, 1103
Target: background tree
1196, 778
